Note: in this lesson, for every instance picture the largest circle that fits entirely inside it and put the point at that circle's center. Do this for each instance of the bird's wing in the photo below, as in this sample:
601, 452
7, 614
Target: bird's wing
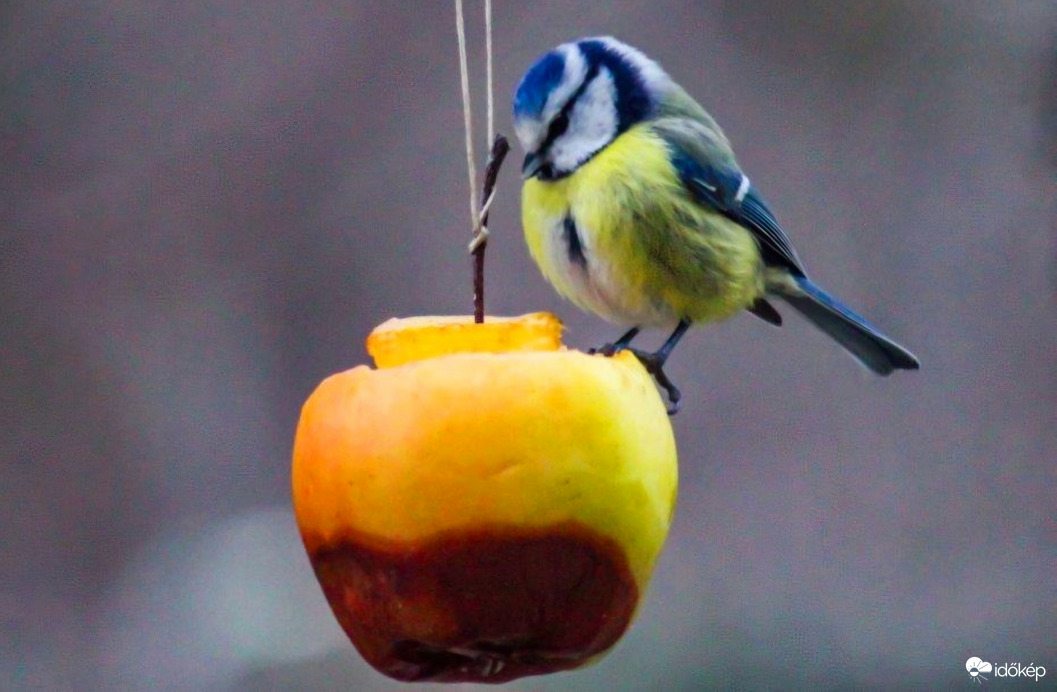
708, 169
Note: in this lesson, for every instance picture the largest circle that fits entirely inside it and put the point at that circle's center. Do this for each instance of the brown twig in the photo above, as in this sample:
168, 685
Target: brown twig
500, 147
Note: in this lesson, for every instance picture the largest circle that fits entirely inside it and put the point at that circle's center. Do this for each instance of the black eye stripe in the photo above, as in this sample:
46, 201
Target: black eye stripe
560, 123
558, 126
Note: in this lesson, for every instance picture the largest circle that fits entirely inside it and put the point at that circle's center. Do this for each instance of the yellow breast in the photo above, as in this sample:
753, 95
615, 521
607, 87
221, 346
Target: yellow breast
651, 254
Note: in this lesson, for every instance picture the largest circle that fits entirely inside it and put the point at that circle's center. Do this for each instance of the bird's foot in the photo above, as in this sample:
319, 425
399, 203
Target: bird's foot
654, 364
610, 350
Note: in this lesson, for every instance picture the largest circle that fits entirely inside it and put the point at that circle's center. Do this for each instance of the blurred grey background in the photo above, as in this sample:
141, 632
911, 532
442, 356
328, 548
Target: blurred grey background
205, 207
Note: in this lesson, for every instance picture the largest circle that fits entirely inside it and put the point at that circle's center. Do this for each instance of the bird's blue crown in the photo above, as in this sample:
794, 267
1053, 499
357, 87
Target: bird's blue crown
537, 84
634, 101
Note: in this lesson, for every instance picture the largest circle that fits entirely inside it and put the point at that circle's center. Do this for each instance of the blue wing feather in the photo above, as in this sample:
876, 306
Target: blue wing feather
754, 214
707, 169
717, 186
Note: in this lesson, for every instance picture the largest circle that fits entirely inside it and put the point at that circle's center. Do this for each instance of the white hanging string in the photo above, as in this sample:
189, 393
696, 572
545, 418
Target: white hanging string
467, 118
488, 52
477, 213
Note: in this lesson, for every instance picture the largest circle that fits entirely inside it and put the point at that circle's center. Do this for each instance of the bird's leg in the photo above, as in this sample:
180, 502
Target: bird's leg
617, 346
654, 364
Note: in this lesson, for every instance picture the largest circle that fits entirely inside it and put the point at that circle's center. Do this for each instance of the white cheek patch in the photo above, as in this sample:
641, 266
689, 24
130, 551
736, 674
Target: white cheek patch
592, 124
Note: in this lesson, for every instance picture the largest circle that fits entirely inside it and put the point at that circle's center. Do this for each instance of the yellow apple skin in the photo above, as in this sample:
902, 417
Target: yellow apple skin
484, 515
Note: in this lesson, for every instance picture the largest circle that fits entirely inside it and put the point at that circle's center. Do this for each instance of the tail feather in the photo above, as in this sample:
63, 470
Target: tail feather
863, 340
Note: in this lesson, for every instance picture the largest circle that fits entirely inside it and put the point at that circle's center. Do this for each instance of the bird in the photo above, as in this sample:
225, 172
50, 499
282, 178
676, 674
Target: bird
635, 209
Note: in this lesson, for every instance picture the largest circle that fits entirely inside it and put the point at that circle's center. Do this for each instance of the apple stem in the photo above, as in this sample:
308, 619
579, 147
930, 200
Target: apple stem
500, 147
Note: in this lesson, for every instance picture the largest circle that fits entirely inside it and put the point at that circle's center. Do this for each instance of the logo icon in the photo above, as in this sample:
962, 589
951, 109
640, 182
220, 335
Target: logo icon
977, 667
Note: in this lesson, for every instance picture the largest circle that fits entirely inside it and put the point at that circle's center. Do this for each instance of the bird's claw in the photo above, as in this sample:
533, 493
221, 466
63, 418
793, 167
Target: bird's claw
607, 350
654, 364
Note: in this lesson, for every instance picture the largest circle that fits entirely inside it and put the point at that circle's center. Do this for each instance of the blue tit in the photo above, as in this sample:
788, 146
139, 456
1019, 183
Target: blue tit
635, 209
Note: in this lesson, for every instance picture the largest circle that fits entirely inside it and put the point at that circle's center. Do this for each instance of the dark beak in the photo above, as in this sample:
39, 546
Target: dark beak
533, 164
